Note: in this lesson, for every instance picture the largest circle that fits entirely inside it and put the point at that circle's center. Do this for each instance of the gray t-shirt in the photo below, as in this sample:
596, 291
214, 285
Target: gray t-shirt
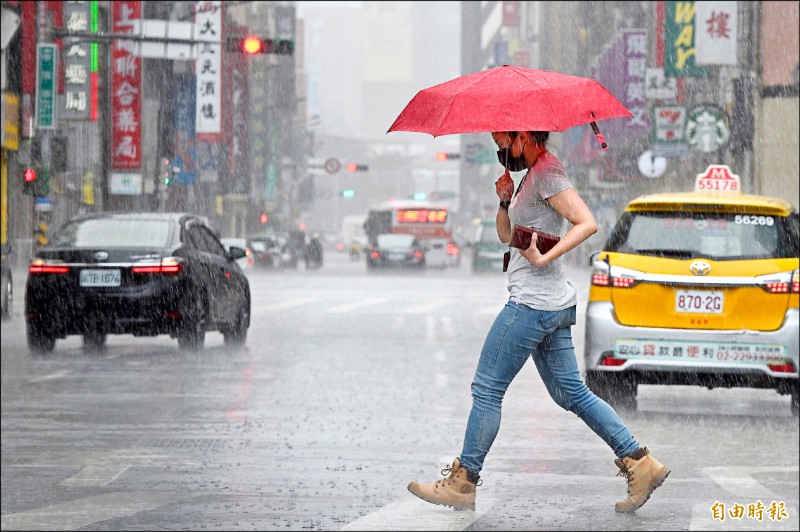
543, 288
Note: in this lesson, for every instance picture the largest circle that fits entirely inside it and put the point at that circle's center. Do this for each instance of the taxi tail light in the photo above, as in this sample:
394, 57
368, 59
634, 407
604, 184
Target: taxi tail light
41, 266
611, 360
780, 283
613, 276
452, 249
167, 266
786, 367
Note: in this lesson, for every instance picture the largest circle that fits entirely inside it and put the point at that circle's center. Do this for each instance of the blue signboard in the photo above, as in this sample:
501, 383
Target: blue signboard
183, 112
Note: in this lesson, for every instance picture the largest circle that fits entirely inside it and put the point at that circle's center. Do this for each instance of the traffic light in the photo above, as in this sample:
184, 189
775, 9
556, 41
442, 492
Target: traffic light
348, 193
444, 156
419, 196
28, 181
252, 44
35, 182
264, 218
166, 171
354, 167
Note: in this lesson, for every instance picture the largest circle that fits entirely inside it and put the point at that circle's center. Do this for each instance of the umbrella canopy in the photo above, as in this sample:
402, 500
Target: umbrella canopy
508, 98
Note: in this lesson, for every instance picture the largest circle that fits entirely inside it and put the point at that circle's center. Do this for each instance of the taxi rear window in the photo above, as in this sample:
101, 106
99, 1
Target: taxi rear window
712, 235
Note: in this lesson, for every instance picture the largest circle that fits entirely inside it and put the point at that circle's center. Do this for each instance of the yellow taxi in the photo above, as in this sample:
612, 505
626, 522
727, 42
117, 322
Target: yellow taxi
696, 288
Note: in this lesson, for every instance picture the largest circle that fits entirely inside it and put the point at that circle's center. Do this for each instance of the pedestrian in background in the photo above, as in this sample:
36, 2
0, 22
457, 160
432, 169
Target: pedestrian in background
535, 323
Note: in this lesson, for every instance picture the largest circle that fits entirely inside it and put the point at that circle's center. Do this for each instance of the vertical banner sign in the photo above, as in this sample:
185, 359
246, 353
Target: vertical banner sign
635, 70
126, 83
679, 46
717, 25
46, 60
236, 120
208, 70
77, 60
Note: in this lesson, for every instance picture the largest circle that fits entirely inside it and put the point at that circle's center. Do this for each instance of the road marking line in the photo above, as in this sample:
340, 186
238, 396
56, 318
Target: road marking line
79, 513
358, 305
738, 480
427, 307
297, 302
416, 514
52, 376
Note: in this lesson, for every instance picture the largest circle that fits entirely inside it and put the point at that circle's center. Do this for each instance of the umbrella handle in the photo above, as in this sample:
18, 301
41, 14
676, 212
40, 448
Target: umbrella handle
599, 135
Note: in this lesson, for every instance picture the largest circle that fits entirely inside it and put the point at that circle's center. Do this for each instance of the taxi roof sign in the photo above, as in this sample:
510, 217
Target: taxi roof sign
718, 178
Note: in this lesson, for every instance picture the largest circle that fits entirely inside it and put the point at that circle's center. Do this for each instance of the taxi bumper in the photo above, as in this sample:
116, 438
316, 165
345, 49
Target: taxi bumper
603, 331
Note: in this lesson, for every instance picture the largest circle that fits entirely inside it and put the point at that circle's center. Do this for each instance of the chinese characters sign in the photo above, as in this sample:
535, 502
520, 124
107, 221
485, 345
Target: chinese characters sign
679, 40
77, 58
126, 84
716, 27
46, 86
621, 69
208, 69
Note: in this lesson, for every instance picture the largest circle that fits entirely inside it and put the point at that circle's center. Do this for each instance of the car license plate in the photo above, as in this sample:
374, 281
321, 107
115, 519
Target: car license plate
699, 301
689, 351
95, 278
395, 256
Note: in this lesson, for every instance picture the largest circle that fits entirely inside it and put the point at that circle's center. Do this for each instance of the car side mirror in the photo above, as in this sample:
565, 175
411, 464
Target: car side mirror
236, 253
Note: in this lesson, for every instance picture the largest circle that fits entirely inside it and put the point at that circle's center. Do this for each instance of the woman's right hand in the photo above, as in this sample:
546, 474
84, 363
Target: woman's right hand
504, 186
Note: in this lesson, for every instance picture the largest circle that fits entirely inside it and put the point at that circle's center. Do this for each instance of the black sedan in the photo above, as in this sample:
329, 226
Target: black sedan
396, 251
135, 273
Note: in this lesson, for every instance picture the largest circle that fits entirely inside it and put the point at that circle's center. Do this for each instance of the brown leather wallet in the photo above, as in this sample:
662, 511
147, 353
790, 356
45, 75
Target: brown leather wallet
521, 238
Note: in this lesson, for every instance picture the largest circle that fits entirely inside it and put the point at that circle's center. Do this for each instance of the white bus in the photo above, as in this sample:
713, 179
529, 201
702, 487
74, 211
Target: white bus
429, 222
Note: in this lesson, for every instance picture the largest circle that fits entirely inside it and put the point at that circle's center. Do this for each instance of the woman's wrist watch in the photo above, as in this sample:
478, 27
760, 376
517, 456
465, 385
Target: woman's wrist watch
504, 204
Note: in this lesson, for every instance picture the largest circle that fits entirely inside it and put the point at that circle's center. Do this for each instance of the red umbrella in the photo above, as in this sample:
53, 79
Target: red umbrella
509, 98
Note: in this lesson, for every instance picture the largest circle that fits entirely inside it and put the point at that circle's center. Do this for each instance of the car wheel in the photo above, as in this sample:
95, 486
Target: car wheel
192, 334
94, 341
236, 336
619, 391
39, 342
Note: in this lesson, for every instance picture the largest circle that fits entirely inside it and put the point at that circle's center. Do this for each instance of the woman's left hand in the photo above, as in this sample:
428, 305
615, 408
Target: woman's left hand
533, 254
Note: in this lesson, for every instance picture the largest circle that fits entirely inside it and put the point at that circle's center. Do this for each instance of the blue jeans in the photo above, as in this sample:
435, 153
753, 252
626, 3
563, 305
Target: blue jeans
517, 333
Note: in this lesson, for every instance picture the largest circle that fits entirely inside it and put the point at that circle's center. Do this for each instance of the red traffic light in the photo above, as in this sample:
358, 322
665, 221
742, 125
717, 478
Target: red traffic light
354, 167
351, 167
441, 156
252, 45
29, 175
264, 218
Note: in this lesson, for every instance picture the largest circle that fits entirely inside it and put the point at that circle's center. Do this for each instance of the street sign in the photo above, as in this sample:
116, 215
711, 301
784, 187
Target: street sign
332, 165
652, 166
45, 108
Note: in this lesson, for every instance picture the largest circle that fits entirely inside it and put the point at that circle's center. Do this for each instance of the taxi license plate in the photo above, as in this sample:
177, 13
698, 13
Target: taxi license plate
94, 278
699, 301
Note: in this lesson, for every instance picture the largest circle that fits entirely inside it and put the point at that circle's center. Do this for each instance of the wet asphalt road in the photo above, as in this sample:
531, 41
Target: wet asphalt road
350, 386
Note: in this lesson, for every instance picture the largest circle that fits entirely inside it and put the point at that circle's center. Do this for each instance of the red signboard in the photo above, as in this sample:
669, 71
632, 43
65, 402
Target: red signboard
126, 88
421, 216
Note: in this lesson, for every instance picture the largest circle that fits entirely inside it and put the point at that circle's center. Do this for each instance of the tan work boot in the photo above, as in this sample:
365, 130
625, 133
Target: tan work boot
644, 476
456, 490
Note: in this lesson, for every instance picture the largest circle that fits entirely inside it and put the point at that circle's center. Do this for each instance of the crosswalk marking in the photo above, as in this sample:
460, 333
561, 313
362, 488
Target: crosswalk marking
282, 305
358, 305
415, 514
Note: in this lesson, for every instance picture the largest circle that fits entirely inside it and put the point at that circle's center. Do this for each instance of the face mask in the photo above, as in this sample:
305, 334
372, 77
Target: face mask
514, 164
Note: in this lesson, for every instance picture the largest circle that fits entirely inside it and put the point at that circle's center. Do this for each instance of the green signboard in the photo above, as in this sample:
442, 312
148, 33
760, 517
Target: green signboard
679, 40
46, 62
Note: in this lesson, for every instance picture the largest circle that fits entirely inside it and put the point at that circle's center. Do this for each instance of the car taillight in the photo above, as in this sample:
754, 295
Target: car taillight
375, 255
167, 266
452, 249
614, 276
611, 360
780, 283
47, 266
786, 367
418, 254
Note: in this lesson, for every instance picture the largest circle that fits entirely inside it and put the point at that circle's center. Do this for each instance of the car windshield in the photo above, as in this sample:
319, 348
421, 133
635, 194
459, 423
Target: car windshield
105, 232
258, 245
718, 236
395, 241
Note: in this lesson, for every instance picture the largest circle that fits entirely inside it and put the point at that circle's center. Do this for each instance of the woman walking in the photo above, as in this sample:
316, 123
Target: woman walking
536, 322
